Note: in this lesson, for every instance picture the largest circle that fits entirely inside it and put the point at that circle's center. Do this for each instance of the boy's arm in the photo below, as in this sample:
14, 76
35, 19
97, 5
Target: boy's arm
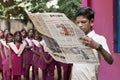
93, 44
105, 54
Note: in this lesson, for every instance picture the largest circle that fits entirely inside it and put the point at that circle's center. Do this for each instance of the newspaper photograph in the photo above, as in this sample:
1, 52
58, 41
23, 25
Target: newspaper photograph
62, 37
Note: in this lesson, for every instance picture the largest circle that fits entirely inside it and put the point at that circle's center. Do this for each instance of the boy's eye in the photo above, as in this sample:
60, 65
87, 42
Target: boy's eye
83, 22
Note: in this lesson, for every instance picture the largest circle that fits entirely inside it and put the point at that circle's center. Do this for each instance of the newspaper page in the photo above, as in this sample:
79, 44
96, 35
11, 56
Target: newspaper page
62, 37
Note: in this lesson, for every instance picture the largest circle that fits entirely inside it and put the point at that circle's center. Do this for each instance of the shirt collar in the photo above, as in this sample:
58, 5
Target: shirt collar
91, 33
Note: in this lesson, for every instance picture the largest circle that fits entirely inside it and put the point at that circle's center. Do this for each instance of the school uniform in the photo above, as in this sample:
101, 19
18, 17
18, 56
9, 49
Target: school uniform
67, 68
1, 46
59, 70
29, 60
36, 58
1, 66
6, 61
17, 60
47, 69
1, 57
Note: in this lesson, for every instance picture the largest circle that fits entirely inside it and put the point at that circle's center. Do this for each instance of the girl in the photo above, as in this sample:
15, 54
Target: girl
42, 59
6, 58
47, 63
23, 33
2, 41
29, 54
6, 31
17, 49
37, 55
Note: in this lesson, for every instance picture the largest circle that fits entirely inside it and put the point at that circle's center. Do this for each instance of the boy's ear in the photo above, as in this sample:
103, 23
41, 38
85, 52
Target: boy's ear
92, 22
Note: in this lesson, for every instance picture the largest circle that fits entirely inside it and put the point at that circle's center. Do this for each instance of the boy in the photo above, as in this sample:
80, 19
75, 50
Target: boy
85, 20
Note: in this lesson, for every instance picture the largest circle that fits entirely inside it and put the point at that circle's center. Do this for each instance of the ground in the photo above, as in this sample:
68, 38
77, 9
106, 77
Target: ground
40, 75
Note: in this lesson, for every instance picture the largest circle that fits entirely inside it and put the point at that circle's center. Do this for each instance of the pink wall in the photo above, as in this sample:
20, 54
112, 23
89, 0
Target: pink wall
104, 25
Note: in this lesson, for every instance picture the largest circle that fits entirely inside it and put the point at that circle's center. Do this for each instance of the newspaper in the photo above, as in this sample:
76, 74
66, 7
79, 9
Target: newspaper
62, 37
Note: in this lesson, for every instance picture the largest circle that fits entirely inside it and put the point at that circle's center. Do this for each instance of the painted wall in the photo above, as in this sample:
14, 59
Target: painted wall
104, 24
118, 25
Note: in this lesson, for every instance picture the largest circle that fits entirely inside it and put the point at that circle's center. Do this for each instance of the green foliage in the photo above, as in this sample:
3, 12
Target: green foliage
15, 8
1, 10
69, 7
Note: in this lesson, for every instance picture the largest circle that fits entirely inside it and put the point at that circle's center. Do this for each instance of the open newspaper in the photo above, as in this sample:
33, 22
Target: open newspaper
62, 37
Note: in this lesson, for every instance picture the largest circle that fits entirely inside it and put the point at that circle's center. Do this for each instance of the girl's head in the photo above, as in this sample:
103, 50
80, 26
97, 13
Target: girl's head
6, 31
38, 35
18, 37
9, 37
31, 33
23, 33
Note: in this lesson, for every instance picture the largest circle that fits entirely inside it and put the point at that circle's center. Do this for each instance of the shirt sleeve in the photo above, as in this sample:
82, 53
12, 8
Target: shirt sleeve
102, 40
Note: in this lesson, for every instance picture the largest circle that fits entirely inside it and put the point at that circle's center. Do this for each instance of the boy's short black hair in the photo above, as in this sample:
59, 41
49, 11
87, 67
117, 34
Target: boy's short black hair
87, 12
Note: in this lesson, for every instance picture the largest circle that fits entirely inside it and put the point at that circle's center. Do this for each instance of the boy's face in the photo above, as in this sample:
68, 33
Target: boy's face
84, 24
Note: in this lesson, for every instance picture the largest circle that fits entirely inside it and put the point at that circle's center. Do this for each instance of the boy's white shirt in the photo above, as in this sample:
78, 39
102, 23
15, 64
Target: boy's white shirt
14, 48
88, 71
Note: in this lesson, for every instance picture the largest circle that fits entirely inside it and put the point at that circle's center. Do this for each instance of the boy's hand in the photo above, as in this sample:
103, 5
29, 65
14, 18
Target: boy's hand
89, 42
